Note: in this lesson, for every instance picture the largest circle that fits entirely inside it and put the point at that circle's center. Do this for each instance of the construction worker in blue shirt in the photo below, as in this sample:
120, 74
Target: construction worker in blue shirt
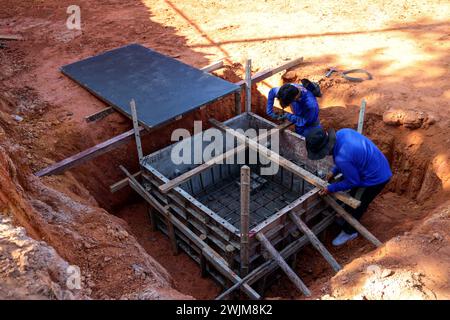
304, 105
364, 168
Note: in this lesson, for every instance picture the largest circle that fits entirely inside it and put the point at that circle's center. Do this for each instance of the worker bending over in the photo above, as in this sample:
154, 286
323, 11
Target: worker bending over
303, 103
364, 168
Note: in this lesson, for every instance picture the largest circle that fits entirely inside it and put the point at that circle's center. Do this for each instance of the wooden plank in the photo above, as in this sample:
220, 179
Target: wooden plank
87, 154
166, 187
245, 219
213, 66
362, 112
285, 163
99, 115
212, 256
134, 183
352, 221
137, 136
122, 183
315, 242
294, 205
248, 85
10, 37
262, 75
283, 265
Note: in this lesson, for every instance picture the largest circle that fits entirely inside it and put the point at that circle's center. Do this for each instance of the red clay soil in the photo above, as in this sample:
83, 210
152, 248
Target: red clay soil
405, 46
184, 271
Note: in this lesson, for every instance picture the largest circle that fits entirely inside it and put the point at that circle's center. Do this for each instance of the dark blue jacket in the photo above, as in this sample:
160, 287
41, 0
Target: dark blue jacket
359, 160
305, 110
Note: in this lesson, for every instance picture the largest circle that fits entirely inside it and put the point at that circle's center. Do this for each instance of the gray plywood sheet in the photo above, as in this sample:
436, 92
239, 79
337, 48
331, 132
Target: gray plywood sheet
162, 87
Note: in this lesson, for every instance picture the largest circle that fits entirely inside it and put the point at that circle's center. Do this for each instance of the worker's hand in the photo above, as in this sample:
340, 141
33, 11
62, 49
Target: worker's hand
329, 177
282, 116
324, 192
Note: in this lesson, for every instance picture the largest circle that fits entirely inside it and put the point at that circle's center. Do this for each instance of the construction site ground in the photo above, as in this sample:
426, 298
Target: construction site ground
49, 223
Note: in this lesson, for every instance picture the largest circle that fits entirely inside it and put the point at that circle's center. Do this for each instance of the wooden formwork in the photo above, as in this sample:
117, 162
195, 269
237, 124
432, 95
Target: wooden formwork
200, 207
217, 232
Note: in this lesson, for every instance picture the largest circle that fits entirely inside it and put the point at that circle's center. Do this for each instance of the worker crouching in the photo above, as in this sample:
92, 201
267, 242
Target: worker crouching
364, 168
304, 106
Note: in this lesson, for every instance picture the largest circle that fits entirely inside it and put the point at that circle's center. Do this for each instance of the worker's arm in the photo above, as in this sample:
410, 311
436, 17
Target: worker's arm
270, 102
351, 178
311, 114
335, 171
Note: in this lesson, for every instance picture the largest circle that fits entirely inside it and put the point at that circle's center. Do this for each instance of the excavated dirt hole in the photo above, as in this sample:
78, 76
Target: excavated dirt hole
411, 182
396, 210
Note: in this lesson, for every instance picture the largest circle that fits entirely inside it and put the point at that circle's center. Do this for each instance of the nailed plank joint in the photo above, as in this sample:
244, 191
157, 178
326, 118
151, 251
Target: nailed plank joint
122, 183
315, 242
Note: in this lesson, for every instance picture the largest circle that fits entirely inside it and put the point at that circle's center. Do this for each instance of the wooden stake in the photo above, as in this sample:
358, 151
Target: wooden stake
136, 130
362, 112
248, 85
315, 242
152, 218
283, 265
245, 217
352, 221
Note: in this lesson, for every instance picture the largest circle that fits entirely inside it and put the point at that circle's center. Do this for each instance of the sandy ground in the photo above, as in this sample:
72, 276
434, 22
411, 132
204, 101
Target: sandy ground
404, 44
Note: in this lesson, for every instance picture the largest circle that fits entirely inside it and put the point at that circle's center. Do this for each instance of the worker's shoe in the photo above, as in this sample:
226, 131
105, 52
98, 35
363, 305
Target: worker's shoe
343, 237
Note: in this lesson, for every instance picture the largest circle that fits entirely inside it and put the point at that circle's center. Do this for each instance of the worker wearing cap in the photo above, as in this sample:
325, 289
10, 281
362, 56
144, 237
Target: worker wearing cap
364, 168
304, 106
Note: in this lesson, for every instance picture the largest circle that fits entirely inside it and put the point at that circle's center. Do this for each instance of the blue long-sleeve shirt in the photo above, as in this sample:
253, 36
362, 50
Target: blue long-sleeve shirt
359, 160
305, 110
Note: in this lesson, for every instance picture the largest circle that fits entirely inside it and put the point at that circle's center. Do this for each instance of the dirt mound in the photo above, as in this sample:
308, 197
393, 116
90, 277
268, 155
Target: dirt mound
62, 213
411, 266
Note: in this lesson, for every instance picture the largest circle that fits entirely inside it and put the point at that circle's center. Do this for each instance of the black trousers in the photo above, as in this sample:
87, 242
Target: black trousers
366, 196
